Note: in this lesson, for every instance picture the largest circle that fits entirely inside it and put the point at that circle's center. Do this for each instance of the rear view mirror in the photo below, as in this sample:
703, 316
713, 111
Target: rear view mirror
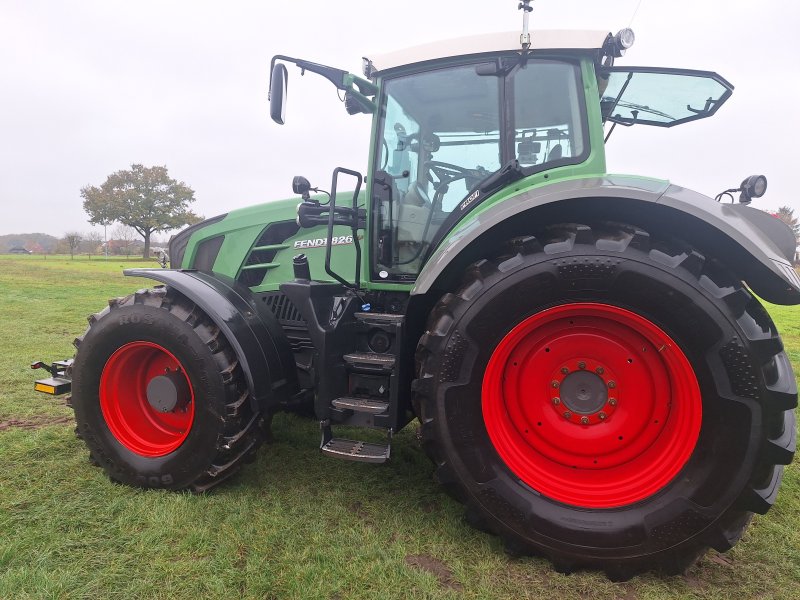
277, 93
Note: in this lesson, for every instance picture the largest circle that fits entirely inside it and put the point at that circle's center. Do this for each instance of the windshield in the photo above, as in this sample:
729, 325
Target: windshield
443, 133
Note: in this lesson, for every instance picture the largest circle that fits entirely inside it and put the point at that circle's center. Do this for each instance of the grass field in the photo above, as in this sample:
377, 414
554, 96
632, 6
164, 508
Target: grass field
291, 525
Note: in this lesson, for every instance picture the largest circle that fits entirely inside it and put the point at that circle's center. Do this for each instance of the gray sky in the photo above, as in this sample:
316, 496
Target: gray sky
91, 86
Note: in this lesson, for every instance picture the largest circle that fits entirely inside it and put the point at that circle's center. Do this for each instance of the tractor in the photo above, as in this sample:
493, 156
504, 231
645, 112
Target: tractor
584, 354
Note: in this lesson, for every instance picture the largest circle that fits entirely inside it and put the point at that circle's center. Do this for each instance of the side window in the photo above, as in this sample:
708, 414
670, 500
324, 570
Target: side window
547, 113
660, 97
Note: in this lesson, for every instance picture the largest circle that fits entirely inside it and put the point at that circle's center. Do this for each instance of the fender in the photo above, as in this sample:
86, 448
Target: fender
756, 246
252, 330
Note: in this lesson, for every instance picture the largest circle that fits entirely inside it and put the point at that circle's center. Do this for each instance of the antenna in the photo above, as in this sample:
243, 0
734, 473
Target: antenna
525, 38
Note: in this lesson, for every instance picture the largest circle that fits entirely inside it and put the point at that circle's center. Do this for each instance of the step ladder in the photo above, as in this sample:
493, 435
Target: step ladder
373, 378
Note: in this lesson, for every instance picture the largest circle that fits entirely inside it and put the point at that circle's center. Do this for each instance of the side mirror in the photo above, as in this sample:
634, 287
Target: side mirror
278, 84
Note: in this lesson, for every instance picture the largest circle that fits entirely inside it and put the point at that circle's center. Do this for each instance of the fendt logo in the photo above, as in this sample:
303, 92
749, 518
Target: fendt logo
474, 196
339, 240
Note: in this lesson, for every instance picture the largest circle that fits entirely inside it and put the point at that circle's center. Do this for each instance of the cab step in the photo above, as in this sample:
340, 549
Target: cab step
356, 450
365, 405
379, 318
370, 361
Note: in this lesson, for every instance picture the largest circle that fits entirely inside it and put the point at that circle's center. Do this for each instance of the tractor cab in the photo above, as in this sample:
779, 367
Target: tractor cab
457, 122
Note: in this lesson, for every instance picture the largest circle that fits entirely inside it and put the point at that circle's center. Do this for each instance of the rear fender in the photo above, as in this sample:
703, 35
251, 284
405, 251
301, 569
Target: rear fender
252, 330
756, 246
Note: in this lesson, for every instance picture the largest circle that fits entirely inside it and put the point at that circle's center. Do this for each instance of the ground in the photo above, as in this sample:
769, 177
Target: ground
293, 524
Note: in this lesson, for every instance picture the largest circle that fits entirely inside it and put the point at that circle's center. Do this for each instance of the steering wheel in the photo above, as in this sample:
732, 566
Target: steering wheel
446, 172
385, 152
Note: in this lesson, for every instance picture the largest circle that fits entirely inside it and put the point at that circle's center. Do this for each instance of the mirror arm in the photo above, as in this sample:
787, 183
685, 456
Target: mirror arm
364, 87
336, 76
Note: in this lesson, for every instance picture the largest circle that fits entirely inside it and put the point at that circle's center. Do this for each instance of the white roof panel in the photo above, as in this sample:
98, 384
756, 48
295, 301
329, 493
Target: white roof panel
490, 42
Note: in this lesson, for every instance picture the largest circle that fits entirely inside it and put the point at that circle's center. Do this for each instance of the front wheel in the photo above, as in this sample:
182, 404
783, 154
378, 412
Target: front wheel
605, 399
159, 396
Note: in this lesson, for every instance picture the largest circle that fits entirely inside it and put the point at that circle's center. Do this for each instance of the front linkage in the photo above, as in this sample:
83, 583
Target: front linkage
60, 380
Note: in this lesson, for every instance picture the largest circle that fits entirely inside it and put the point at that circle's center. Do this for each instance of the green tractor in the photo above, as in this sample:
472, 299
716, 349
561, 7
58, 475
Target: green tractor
590, 374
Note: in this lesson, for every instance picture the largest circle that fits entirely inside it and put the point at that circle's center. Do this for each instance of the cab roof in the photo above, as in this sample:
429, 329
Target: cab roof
546, 39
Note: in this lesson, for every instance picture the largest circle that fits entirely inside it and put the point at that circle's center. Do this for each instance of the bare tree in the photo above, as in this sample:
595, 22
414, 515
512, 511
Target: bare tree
123, 236
72, 240
92, 241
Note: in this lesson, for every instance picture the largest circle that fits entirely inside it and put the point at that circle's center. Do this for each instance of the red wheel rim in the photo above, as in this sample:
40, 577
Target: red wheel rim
630, 413
132, 419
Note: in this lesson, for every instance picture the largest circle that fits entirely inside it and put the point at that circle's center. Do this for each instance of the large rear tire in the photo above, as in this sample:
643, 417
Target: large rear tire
159, 397
607, 400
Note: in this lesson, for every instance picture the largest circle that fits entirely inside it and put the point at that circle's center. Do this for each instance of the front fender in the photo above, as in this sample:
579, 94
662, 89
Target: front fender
756, 246
252, 330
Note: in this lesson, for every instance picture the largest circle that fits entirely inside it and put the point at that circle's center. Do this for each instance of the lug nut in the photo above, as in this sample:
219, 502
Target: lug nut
612, 384
581, 365
599, 370
564, 370
601, 416
584, 420
612, 401
556, 401
554, 383
567, 414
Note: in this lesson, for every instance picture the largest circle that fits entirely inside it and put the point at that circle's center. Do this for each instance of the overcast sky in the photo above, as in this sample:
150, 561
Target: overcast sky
89, 87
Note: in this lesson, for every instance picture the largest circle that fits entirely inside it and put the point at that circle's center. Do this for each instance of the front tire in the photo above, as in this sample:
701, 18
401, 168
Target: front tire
607, 400
159, 396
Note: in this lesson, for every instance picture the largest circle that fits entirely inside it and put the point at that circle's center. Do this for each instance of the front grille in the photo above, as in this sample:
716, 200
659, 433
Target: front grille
283, 309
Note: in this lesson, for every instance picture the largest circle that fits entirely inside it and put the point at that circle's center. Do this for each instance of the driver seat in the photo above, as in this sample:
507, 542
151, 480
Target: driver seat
417, 195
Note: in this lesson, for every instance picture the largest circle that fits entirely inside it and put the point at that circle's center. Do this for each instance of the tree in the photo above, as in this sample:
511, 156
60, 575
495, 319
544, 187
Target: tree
72, 240
786, 214
144, 198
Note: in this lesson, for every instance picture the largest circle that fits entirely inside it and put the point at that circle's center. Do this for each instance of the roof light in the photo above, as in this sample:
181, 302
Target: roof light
366, 67
625, 38
617, 45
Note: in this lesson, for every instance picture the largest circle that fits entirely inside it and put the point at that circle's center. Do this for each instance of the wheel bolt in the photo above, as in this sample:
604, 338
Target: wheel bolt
554, 383
599, 370
612, 401
556, 401
564, 370
581, 365
567, 414
584, 420
612, 384
601, 416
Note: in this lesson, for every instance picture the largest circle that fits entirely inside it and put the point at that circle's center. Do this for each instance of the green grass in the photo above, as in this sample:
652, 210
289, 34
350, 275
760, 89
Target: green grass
291, 525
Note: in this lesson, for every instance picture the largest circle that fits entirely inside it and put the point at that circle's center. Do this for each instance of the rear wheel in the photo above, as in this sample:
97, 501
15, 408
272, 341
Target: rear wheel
159, 397
607, 400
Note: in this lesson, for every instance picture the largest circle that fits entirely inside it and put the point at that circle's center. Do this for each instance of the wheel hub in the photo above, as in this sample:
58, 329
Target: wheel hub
168, 392
586, 391
583, 392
